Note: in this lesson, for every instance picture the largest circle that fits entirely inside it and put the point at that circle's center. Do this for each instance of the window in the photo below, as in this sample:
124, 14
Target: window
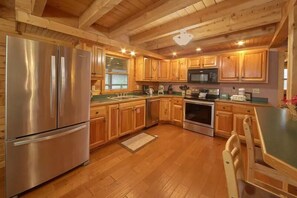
285, 79
116, 73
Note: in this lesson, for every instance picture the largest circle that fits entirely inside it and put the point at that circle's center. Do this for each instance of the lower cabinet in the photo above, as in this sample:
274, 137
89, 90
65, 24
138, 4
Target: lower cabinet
177, 111
98, 127
113, 121
131, 117
165, 109
229, 117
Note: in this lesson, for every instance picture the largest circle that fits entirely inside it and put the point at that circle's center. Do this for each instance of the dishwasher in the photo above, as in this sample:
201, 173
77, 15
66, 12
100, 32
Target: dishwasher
152, 112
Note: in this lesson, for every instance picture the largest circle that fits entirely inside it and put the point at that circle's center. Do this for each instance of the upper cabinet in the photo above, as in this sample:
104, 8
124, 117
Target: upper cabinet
248, 66
179, 69
164, 70
97, 63
229, 67
146, 69
202, 62
254, 66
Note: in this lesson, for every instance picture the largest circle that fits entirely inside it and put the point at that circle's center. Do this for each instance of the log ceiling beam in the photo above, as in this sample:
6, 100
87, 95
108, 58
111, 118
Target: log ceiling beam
24, 17
38, 7
281, 33
229, 38
151, 13
95, 11
226, 25
196, 19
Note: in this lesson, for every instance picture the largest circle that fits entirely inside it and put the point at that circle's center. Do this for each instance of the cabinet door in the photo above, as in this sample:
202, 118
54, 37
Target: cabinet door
113, 121
139, 117
224, 123
254, 66
174, 70
147, 68
126, 120
164, 70
165, 108
97, 63
195, 62
177, 114
238, 124
183, 69
97, 132
154, 68
209, 61
255, 129
229, 68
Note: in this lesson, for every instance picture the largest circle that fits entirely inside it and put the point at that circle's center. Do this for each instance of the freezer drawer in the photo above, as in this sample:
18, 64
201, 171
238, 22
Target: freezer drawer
33, 160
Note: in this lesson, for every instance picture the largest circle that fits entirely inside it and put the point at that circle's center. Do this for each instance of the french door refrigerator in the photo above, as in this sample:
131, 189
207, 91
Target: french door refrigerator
47, 112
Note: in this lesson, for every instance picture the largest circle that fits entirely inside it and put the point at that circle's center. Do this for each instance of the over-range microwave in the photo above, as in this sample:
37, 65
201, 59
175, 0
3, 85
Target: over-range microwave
203, 76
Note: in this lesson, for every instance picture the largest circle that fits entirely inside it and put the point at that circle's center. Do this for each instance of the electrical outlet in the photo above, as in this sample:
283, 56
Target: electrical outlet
256, 90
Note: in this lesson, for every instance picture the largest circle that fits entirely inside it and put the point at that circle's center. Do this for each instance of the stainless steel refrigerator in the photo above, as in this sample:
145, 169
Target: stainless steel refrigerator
47, 112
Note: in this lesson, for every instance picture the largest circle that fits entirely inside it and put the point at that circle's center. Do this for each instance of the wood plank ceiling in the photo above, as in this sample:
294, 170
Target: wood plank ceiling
151, 24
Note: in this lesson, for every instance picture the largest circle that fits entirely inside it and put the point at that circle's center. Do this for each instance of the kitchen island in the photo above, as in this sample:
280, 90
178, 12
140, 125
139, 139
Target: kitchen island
278, 135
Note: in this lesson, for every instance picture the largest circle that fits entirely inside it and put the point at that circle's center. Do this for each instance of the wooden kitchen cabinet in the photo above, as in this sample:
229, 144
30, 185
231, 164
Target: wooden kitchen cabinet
179, 69
165, 109
164, 70
113, 121
131, 117
229, 68
209, 61
147, 68
97, 63
98, 126
177, 111
195, 62
224, 123
154, 69
254, 66
139, 116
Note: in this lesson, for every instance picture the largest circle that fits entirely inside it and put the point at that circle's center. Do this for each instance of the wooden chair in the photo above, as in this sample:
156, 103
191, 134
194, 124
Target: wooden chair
237, 186
256, 162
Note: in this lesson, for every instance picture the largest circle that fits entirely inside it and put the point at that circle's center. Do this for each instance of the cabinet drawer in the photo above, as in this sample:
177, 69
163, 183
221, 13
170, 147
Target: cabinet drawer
224, 107
243, 109
131, 104
177, 101
96, 112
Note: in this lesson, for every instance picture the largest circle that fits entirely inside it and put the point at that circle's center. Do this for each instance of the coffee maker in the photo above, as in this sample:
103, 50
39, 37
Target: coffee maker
161, 90
145, 89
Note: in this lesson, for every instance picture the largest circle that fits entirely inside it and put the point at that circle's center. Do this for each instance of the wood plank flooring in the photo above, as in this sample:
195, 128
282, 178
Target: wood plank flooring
179, 163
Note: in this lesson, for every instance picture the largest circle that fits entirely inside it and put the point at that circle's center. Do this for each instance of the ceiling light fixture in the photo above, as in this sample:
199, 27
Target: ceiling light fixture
198, 49
123, 50
240, 43
183, 38
132, 53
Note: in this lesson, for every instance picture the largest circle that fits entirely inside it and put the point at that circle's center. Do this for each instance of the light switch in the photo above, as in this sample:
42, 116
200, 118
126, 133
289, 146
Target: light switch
256, 90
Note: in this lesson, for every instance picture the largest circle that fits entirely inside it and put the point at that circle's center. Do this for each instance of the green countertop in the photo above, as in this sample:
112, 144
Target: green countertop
279, 134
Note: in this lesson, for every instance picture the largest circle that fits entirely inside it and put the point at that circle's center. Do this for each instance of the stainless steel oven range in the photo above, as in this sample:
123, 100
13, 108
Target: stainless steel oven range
199, 111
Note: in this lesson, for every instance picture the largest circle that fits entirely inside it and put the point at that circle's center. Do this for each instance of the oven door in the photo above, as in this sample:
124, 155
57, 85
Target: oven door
199, 112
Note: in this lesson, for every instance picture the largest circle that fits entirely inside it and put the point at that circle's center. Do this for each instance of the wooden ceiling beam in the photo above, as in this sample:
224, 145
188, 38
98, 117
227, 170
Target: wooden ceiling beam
151, 13
195, 20
27, 18
226, 25
38, 7
229, 38
95, 11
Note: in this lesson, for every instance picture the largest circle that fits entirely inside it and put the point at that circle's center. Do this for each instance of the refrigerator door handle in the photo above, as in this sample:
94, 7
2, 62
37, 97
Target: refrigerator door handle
62, 88
20, 143
52, 84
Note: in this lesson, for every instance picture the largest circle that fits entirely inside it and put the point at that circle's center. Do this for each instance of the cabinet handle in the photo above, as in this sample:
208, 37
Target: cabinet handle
248, 111
224, 108
97, 112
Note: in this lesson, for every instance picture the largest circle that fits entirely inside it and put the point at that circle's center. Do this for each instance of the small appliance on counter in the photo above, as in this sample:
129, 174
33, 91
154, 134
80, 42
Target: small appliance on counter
161, 90
240, 98
184, 88
145, 89
241, 91
151, 91
170, 89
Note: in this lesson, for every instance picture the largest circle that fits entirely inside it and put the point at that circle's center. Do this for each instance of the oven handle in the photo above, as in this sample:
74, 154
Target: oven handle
199, 102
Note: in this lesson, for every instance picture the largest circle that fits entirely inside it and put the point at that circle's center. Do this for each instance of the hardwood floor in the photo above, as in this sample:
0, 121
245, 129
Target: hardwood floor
178, 164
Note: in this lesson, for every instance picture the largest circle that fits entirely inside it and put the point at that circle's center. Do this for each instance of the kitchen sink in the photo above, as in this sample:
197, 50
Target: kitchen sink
124, 97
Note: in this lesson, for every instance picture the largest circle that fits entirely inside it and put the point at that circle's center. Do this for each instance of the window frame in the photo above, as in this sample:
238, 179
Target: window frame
117, 55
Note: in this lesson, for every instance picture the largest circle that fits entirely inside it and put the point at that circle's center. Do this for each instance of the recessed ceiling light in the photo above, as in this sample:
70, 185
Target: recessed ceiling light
240, 43
174, 53
132, 53
198, 49
123, 50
